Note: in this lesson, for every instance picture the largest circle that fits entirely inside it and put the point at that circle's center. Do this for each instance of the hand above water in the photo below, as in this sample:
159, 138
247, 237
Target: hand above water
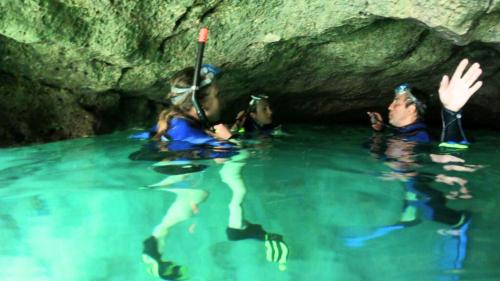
455, 93
222, 132
376, 120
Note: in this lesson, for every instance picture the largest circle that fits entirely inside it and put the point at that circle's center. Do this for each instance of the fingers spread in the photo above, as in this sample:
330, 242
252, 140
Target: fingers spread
473, 76
460, 69
475, 87
444, 83
470, 71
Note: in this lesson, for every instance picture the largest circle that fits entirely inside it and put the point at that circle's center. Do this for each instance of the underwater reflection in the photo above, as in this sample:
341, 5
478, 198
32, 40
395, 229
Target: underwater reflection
184, 166
422, 200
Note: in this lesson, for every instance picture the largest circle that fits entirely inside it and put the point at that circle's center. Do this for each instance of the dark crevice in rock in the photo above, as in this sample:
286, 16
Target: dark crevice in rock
476, 21
6, 76
123, 72
490, 6
98, 61
182, 18
143, 47
164, 42
210, 11
421, 38
48, 84
141, 111
52, 86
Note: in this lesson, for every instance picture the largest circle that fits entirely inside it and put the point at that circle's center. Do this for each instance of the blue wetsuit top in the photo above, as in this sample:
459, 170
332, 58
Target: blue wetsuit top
182, 129
416, 132
183, 137
184, 134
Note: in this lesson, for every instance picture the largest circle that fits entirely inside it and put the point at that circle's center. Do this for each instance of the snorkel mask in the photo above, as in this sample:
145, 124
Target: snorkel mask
255, 99
208, 73
402, 88
405, 88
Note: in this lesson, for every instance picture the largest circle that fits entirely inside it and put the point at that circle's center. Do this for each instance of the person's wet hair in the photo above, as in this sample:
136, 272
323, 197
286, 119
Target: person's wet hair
419, 99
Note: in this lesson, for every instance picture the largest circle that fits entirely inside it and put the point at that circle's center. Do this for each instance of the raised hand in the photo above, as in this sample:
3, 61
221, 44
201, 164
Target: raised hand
455, 93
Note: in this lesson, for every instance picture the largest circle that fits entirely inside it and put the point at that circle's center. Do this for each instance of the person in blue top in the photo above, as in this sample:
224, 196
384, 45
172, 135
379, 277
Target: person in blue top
405, 116
180, 122
400, 152
406, 110
409, 131
180, 128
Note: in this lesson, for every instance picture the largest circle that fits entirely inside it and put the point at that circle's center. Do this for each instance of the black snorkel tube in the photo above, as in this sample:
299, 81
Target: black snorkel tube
202, 40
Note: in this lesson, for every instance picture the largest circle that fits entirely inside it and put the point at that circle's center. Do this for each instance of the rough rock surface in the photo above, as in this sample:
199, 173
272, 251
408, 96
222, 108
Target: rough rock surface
71, 68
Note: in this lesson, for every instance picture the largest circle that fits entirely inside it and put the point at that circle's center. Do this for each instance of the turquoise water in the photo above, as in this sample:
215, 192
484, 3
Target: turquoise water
80, 209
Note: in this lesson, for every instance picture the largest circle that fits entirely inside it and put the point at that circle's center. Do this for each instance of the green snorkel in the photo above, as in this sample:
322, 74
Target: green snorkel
202, 39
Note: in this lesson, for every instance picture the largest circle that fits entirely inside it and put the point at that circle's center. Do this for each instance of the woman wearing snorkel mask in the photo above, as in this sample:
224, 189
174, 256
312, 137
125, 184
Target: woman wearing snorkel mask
188, 125
182, 122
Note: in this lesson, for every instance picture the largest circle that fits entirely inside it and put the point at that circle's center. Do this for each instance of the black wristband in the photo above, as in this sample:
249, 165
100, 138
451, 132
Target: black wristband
452, 127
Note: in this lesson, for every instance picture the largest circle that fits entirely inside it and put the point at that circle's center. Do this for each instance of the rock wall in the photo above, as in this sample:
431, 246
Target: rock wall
71, 68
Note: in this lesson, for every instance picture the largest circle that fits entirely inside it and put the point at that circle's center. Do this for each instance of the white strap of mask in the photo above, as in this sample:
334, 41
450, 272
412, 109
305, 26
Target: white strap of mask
183, 92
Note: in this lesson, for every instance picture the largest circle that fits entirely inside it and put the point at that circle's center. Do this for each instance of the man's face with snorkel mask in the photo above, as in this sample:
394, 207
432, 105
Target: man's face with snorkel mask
402, 110
261, 113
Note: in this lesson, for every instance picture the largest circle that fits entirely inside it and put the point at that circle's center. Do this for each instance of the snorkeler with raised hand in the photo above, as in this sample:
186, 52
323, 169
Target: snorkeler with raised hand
399, 152
406, 110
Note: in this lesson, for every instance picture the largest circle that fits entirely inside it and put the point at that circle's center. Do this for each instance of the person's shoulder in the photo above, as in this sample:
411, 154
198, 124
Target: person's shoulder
180, 128
422, 136
179, 121
416, 132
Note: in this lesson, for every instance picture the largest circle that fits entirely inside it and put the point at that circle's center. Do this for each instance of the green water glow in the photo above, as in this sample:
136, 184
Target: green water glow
75, 210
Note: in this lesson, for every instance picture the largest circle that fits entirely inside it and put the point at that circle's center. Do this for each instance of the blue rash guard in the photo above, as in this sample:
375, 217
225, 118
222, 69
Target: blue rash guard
183, 130
183, 134
184, 140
